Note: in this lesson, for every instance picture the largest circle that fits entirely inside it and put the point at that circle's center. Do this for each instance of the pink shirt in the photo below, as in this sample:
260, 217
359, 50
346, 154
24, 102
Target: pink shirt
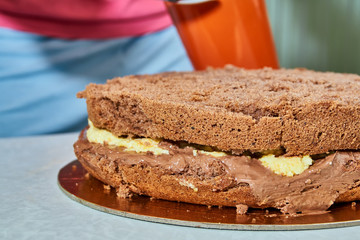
84, 19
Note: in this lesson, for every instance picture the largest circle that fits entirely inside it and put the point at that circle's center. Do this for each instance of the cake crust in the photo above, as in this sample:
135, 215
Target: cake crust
301, 111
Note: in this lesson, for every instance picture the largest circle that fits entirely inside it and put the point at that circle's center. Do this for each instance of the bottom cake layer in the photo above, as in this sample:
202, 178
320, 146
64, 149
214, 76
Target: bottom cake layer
238, 181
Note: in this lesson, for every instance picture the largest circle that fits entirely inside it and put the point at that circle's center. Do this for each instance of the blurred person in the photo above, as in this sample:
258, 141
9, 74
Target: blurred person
50, 50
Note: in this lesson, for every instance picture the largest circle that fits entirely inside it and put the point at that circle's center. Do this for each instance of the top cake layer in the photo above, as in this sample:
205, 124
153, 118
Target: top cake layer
301, 111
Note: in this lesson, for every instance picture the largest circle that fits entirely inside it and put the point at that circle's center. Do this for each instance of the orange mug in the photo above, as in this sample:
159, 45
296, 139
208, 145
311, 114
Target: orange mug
220, 32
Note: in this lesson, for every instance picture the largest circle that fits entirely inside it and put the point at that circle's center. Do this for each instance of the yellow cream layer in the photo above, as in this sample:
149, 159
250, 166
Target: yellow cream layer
286, 166
96, 135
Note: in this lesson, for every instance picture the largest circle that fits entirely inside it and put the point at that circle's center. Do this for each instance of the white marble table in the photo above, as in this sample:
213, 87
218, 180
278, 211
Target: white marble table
33, 207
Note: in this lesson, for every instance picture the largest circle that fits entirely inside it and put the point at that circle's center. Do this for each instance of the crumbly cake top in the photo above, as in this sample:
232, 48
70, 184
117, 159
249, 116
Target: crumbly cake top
301, 111
258, 93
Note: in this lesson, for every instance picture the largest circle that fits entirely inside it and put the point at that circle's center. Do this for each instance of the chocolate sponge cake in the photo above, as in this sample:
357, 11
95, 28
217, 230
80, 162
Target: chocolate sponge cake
283, 138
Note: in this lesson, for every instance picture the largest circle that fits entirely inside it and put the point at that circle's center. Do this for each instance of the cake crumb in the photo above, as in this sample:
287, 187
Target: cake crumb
74, 167
87, 176
123, 192
253, 220
241, 209
106, 188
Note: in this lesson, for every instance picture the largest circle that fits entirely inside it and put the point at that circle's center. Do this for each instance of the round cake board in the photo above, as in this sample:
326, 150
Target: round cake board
78, 185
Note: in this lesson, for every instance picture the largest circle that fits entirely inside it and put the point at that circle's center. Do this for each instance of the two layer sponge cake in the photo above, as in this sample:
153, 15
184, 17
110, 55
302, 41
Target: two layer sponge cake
232, 137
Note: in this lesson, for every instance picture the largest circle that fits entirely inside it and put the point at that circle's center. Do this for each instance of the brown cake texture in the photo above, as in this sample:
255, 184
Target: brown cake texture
243, 112
301, 111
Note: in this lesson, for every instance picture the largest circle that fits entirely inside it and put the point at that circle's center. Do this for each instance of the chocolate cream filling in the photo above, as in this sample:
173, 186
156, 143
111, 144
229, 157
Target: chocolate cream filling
313, 191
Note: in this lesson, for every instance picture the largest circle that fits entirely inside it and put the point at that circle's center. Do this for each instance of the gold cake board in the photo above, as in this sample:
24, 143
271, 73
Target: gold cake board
79, 186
